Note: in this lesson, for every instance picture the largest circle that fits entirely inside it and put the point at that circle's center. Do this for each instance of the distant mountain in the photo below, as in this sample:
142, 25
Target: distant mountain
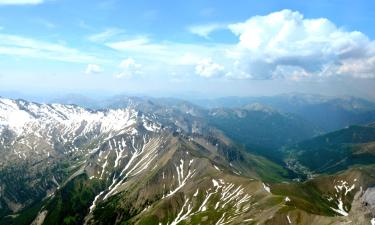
335, 151
77, 99
328, 113
261, 128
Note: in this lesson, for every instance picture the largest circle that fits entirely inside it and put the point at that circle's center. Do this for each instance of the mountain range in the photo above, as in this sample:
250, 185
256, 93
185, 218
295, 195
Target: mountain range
139, 160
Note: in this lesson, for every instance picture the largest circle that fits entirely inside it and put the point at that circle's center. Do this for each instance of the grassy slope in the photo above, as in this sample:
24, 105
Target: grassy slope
311, 196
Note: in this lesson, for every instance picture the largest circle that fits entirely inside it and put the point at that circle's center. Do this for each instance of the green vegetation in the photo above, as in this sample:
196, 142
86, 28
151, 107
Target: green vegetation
71, 204
25, 217
305, 196
336, 151
262, 132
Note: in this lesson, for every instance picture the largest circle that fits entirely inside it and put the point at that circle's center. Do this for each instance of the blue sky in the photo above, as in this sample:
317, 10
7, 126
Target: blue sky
202, 48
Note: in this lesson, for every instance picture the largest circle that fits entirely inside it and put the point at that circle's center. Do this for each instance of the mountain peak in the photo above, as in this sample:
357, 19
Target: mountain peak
259, 107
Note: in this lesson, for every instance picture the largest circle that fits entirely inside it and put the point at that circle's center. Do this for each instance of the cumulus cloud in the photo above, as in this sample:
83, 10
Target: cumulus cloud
280, 45
285, 44
20, 2
207, 68
364, 68
128, 68
93, 69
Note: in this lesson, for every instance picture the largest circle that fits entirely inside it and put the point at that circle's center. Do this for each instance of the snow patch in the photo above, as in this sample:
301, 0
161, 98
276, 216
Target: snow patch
344, 186
266, 188
196, 193
340, 209
289, 221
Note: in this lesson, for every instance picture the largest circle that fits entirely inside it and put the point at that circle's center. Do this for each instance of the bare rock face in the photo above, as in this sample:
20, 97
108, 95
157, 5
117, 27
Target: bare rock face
369, 204
362, 207
369, 198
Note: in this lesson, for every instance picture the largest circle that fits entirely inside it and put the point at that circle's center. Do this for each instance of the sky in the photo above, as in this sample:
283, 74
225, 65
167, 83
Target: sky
196, 48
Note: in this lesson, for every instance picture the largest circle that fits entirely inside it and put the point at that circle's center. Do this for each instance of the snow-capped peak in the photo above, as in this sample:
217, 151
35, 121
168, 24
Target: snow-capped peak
25, 117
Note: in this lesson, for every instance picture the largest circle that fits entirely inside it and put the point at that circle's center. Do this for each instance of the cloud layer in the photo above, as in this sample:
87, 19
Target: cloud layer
280, 45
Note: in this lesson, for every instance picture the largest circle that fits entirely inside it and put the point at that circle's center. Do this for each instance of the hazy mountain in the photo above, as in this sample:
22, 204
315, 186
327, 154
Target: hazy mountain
261, 128
328, 113
325, 113
76, 99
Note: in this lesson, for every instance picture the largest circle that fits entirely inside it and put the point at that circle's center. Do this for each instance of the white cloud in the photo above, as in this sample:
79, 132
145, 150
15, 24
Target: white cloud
280, 45
363, 68
284, 43
187, 58
207, 12
236, 72
129, 44
31, 48
105, 35
166, 53
20, 2
137, 44
93, 69
129, 68
46, 23
207, 68
205, 30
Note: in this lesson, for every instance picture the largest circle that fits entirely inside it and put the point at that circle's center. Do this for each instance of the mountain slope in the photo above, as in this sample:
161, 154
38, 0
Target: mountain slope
335, 151
95, 155
348, 195
261, 128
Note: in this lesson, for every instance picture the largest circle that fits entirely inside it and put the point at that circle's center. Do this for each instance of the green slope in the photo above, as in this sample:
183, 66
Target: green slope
336, 151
